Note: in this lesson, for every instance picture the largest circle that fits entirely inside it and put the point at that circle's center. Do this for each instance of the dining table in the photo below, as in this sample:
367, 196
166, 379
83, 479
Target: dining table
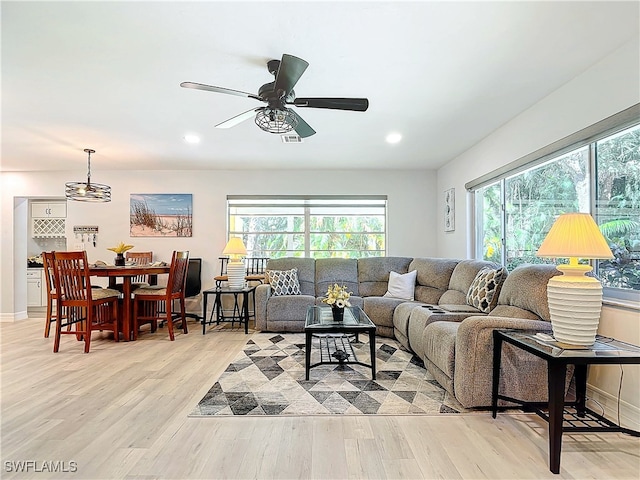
127, 272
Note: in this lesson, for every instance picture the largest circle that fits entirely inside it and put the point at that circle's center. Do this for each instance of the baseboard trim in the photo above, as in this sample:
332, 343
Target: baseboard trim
13, 317
629, 414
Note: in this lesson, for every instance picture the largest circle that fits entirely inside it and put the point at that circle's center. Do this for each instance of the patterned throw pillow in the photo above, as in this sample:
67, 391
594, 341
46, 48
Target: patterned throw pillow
484, 290
284, 282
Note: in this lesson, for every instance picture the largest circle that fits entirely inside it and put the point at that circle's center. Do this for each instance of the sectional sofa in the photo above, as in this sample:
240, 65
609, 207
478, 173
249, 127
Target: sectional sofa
447, 321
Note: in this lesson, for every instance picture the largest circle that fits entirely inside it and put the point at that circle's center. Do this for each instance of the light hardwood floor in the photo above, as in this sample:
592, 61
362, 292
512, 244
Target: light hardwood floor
121, 412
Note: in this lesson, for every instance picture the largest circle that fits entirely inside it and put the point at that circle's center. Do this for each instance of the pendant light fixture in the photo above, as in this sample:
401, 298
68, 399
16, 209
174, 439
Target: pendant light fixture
88, 192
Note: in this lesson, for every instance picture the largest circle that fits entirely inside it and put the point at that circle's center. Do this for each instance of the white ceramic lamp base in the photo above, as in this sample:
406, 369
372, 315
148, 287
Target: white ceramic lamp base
235, 274
575, 303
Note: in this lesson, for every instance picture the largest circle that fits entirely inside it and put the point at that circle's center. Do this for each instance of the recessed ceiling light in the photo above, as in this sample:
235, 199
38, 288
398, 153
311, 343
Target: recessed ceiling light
191, 138
393, 138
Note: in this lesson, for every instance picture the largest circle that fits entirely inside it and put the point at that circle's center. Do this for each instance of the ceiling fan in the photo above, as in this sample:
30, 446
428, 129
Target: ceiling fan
276, 117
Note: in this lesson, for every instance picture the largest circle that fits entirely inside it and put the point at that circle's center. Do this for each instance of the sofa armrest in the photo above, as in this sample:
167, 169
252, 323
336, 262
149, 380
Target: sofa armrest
263, 293
523, 375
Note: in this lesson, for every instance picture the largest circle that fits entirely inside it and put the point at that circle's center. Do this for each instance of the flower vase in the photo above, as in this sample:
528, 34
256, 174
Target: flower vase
119, 261
338, 314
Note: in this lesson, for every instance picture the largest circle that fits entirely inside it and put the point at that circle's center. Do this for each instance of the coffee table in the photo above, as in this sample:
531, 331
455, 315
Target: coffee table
335, 346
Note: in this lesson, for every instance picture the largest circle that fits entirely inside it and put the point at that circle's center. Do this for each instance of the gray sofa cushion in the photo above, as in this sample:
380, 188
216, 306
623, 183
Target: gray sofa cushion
524, 293
425, 315
306, 271
343, 271
433, 277
288, 308
373, 273
461, 278
380, 310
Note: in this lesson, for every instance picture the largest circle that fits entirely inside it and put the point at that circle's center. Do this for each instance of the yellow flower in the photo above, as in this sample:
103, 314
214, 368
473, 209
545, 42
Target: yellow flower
121, 248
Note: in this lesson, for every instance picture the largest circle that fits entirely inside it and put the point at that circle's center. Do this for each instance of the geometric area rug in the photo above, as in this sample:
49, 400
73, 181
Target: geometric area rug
268, 378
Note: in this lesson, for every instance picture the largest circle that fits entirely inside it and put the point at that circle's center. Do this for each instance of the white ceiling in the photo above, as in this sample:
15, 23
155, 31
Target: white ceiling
106, 75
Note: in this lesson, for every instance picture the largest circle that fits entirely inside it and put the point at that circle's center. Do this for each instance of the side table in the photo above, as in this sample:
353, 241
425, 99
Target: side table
558, 356
240, 313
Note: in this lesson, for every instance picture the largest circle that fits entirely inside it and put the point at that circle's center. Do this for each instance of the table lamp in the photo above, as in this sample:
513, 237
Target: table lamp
575, 299
235, 268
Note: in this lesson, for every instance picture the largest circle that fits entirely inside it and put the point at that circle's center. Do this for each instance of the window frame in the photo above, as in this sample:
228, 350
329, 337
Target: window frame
309, 205
587, 137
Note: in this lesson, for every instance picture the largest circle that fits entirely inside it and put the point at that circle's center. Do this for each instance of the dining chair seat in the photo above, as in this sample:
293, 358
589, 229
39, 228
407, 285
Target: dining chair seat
101, 293
151, 290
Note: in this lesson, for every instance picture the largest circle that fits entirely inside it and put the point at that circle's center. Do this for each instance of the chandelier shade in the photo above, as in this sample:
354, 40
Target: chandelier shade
87, 191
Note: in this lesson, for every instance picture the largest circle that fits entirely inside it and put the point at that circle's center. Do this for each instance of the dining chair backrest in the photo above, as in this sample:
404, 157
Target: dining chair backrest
71, 271
139, 258
49, 280
256, 265
253, 265
178, 272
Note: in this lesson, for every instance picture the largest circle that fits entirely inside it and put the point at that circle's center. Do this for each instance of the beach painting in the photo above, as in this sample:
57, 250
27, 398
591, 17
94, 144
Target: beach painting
161, 215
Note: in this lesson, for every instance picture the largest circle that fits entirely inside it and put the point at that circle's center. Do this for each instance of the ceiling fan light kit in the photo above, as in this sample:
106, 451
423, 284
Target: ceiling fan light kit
87, 192
276, 117
276, 121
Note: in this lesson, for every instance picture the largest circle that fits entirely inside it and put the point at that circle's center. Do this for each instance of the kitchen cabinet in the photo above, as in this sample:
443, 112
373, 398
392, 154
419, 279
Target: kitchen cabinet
48, 209
48, 219
36, 291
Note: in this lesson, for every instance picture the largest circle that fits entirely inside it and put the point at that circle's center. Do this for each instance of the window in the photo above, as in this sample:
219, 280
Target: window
601, 176
316, 227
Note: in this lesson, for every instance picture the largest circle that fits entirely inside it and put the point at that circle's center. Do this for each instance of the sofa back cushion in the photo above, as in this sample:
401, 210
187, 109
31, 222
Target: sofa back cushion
433, 278
373, 273
306, 271
343, 271
461, 279
524, 293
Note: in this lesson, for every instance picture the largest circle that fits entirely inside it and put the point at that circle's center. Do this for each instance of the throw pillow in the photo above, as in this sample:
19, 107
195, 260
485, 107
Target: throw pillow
401, 285
484, 290
284, 282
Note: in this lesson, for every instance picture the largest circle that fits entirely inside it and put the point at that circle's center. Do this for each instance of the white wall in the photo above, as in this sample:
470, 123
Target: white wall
608, 87
409, 230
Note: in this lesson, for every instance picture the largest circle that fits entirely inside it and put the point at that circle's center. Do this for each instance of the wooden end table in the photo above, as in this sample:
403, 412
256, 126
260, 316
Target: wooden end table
605, 351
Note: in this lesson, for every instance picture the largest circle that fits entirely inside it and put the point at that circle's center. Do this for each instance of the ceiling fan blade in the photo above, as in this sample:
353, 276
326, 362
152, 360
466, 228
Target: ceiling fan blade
211, 88
303, 129
290, 71
355, 104
233, 121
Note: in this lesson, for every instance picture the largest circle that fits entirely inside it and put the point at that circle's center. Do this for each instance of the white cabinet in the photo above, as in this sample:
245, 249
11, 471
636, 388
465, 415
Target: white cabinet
36, 292
48, 209
48, 219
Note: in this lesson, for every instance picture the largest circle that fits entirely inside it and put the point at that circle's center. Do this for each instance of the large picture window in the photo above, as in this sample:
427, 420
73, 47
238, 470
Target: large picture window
316, 227
515, 211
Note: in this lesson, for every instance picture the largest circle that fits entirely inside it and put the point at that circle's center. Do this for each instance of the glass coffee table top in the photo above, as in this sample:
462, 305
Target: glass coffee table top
321, 318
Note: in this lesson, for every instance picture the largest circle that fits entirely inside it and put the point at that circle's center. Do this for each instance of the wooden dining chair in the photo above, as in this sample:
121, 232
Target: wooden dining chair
86, 309
138, 258
255, 268
149, 302
52, 292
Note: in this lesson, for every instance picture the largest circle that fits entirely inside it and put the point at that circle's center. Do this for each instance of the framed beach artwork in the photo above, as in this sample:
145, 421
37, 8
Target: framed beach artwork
161, 215
450, 210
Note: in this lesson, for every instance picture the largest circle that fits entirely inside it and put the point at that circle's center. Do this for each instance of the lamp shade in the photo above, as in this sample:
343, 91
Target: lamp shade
235, 248
574, 235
